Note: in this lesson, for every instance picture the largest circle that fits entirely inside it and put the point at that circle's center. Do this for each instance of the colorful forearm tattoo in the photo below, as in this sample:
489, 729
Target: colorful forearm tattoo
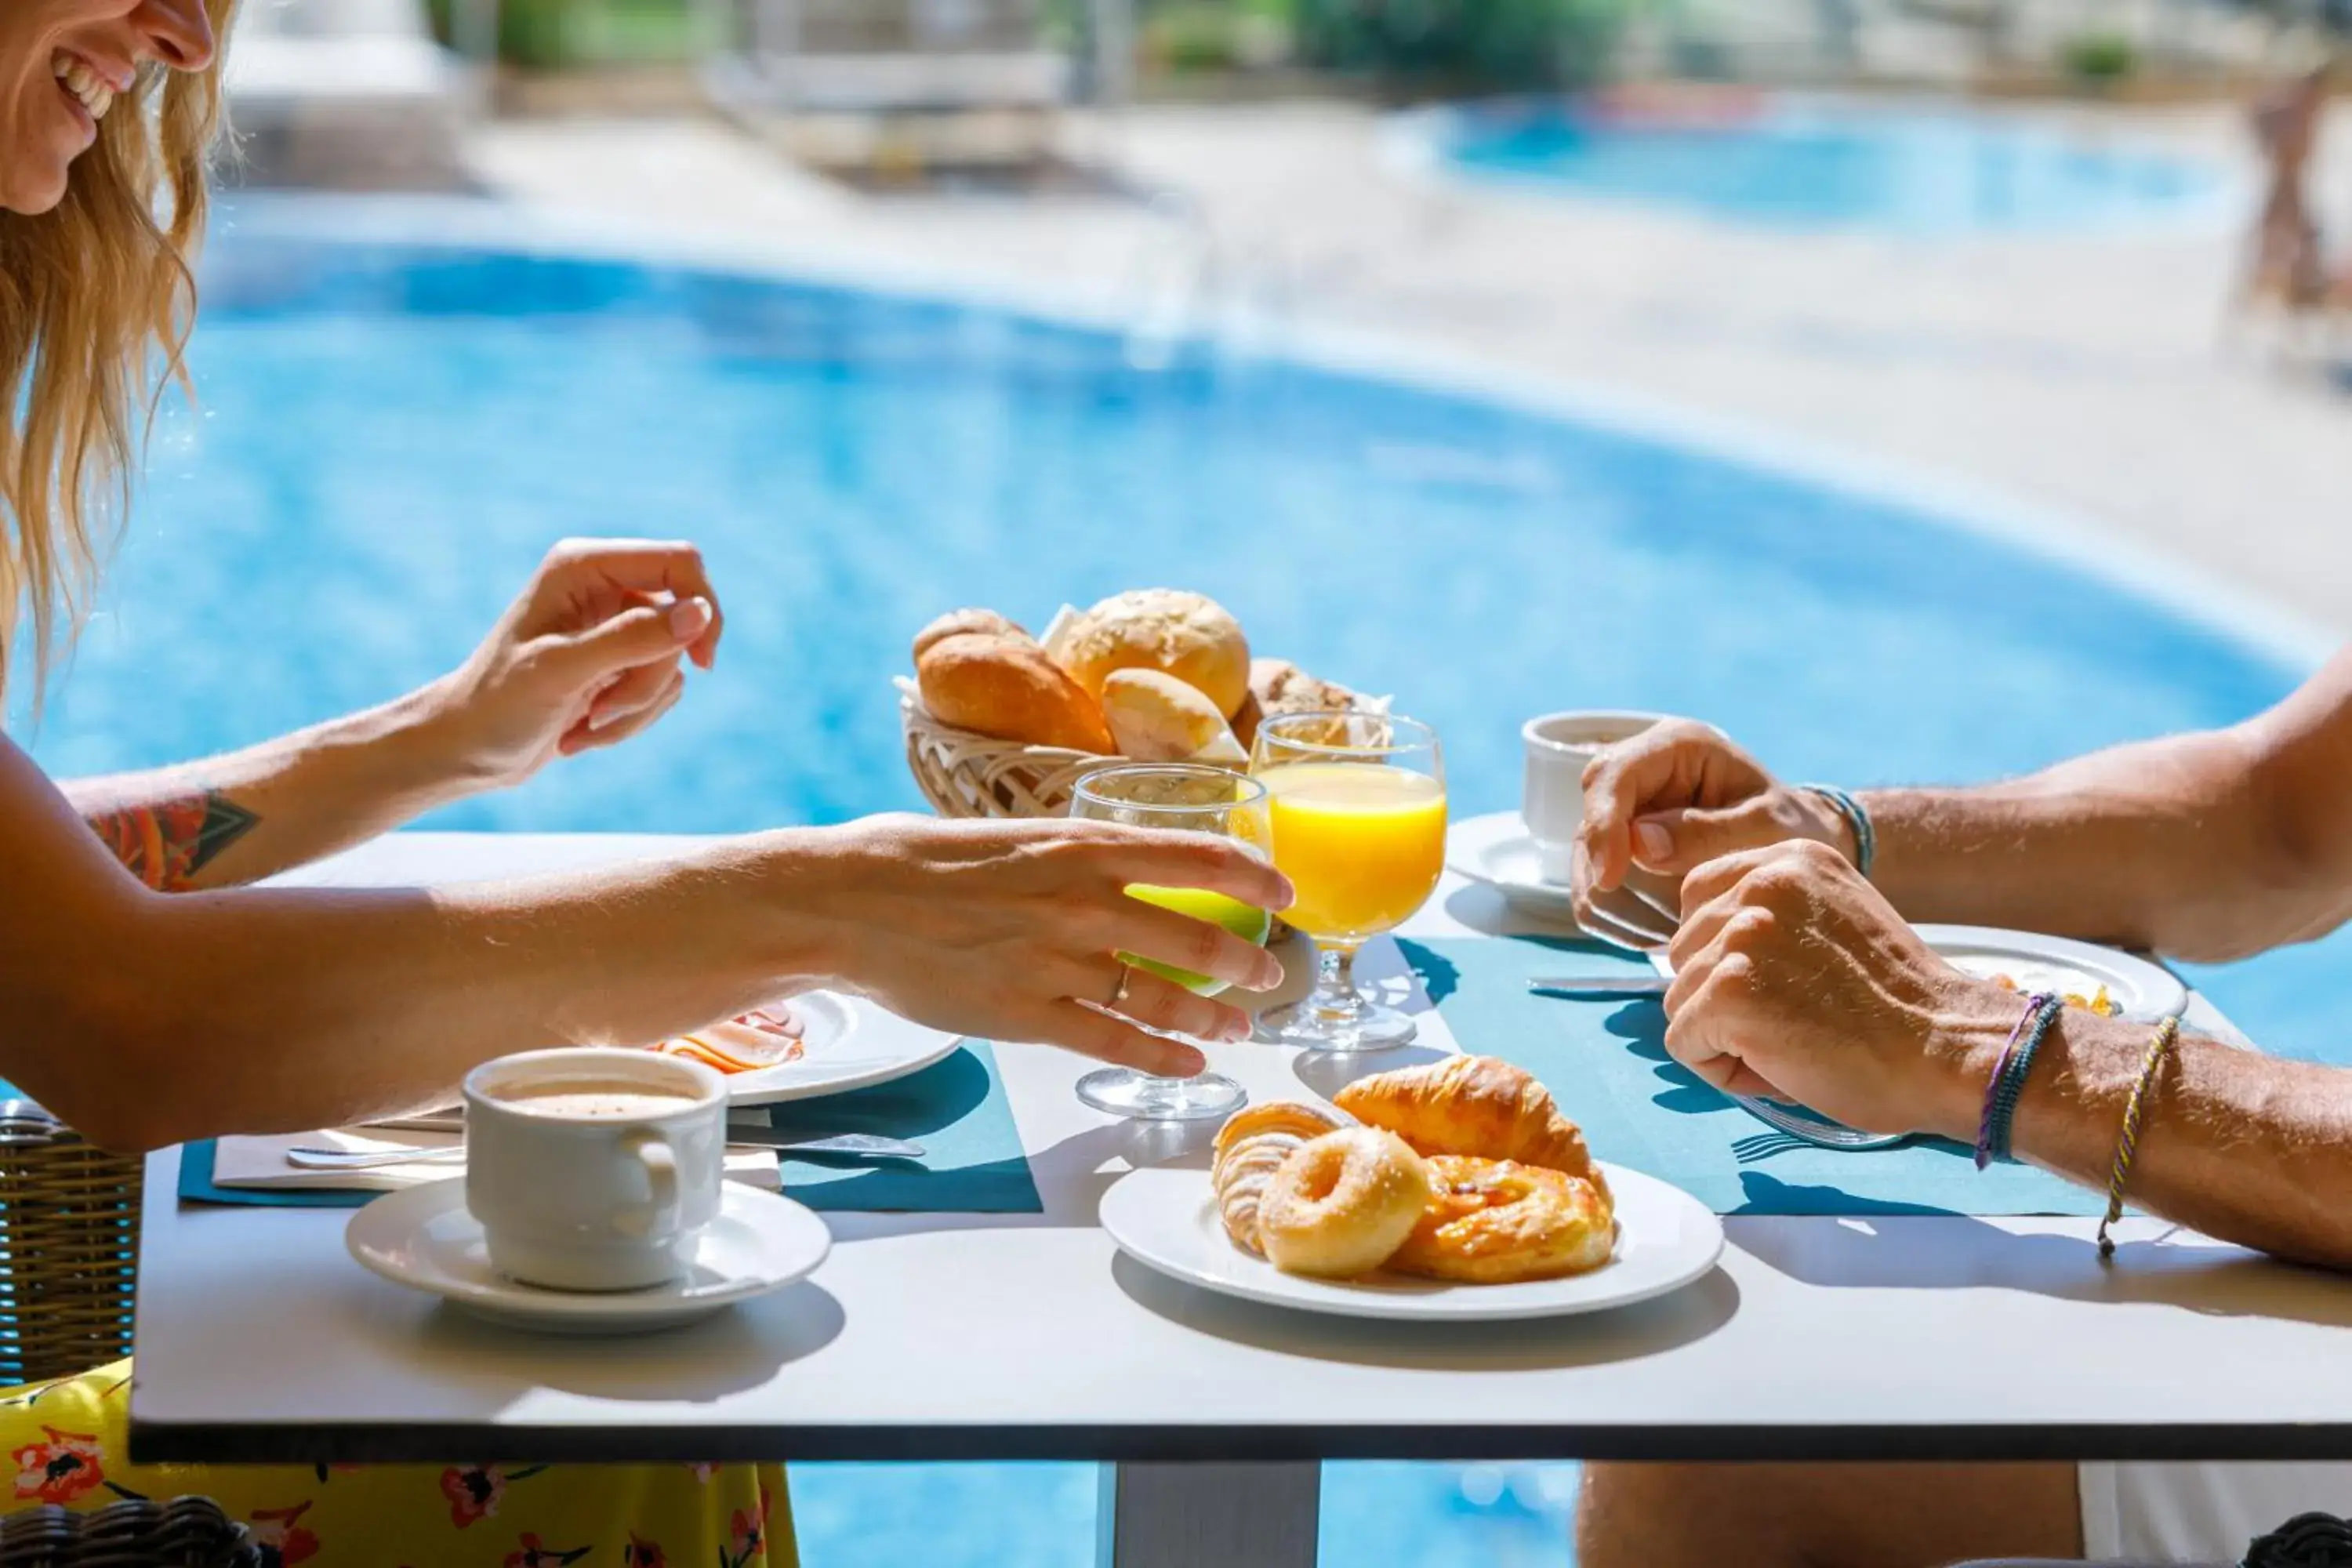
167, 843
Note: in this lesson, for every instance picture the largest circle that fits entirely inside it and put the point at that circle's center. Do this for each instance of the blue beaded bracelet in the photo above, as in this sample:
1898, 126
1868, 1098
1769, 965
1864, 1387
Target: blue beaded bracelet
1865, 836
2008, 1083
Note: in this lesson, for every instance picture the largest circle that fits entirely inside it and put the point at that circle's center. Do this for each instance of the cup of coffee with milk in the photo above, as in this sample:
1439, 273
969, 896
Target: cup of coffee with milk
592, 1169
1558, 745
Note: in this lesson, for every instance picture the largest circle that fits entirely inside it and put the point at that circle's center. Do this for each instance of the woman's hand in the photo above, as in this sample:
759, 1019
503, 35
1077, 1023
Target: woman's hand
589, 654
1793, 978
1670, 799
1008, 930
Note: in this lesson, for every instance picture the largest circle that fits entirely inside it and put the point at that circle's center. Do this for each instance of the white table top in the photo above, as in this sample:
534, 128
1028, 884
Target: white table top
963, 1336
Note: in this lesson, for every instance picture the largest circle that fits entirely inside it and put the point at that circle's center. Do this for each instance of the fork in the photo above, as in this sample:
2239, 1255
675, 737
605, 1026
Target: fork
1819, 1131
1758, 1147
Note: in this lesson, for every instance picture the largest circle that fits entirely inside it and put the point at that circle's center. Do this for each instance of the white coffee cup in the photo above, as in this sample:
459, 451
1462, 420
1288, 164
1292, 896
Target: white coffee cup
592, 1169
1558, 745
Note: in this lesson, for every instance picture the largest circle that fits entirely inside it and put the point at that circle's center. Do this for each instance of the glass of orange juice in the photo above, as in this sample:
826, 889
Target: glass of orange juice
1189, 798
1356, 806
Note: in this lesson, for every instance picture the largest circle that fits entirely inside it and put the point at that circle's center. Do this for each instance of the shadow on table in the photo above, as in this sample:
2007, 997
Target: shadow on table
1484, 910
1968, 1253
1326, 1073
734, 1351
1071, 1176
1593, 1339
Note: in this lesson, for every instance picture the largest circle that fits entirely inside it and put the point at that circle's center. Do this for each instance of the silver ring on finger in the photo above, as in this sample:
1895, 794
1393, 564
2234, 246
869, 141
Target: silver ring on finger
1126, 978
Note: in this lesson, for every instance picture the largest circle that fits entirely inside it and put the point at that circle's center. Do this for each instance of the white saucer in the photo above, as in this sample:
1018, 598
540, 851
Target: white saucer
1496, 850
1167, 1218
423, 1238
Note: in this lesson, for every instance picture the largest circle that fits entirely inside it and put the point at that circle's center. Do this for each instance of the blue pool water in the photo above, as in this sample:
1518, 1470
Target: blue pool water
390, 434
1804, 163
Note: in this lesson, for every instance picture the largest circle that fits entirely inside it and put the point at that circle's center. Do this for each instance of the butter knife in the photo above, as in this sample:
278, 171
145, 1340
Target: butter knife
1608, 985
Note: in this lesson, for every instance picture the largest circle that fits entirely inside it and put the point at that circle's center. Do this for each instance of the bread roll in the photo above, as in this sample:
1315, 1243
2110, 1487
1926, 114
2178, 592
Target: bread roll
1156, 717
1178, 634
1278, 686
957, 622
1246, 722
1006, 686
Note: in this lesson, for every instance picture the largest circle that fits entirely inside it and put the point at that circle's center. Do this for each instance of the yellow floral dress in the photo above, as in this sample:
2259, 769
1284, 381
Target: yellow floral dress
66, 1444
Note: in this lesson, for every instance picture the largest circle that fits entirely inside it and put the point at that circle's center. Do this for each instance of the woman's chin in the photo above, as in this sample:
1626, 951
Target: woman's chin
35, 186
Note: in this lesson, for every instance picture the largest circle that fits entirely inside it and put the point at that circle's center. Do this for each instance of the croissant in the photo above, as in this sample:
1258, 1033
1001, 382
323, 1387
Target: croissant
1249, 1150
1473, 1105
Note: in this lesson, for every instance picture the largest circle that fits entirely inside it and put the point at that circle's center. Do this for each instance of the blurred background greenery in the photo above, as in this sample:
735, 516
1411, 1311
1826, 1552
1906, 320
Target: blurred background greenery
553, 34
1398, 44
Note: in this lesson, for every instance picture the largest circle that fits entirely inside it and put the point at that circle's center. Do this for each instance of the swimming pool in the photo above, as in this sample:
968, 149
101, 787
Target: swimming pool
1811, 163
391, 432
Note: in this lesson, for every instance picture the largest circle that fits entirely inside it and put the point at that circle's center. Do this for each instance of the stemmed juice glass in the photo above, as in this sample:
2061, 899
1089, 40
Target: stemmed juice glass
1189, 798
1357, 803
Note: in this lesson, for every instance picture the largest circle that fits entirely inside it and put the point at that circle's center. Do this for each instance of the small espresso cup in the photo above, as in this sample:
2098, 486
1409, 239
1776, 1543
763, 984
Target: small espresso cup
592, 1169
1558, 745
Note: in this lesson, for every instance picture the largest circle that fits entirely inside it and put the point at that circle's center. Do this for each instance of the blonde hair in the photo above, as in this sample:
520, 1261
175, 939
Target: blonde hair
96, 300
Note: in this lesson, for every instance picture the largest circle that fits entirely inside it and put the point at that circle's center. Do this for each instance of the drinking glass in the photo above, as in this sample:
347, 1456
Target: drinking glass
1189, 798
1357, 803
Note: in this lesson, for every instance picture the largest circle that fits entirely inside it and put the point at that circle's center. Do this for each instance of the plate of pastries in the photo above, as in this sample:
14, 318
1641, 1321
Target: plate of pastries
1456, 1190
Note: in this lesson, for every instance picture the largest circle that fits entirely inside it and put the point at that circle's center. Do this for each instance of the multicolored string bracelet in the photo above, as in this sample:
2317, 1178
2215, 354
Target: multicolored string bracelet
2008, 1080
2167, 1035
1857, 821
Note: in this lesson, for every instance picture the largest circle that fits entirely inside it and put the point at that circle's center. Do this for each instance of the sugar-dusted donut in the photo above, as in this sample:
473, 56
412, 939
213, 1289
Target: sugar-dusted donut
1340, 1205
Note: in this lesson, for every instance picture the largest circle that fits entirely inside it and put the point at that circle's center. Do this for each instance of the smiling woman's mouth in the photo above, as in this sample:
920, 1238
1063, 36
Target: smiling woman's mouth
83, 85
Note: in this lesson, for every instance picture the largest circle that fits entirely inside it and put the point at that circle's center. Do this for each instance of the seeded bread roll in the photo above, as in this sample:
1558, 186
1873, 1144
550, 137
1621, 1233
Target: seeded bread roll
955, 623
1007, 688
1178, 634
1157, 717
1278, 687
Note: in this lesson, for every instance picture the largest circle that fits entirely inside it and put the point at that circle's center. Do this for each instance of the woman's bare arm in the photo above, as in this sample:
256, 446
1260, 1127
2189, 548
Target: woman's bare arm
145, 1018
592, 652
257, 812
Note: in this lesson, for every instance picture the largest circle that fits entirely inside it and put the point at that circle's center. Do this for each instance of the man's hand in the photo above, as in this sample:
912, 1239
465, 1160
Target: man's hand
589, 654
1668, 800
1793, 978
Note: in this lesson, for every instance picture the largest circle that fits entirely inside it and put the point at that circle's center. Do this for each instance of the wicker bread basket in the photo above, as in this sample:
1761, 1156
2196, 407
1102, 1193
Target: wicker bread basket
68, 1249
962, 774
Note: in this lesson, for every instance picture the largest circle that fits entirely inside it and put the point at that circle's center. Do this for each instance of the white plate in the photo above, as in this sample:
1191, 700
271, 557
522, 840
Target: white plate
846, 1043
2146, 991
423, 1238
1167, 1218
1496, 849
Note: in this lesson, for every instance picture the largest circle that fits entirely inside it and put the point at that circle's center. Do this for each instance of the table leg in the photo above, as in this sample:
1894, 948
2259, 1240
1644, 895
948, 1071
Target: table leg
1236, 1516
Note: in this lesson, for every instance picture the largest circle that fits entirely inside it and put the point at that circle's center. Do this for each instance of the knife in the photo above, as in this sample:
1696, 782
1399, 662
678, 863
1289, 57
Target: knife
1609, 986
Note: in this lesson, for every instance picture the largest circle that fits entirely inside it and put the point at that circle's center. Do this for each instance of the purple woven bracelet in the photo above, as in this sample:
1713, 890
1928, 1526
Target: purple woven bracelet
2033, 1005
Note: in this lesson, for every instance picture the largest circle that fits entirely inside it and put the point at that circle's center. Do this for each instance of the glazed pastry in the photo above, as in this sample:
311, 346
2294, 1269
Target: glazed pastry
1494, 1222
955, 623
1178, 634
1339, 1206
1006, 686
1250, 1147
1157, 717
1473, 1105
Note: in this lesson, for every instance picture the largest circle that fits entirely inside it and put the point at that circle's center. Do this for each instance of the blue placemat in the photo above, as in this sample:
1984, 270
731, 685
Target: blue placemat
1606, 1062
972, 1162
